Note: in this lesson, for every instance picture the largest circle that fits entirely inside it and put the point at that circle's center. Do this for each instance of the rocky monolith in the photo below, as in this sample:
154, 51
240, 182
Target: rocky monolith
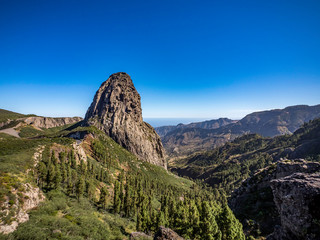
116, 110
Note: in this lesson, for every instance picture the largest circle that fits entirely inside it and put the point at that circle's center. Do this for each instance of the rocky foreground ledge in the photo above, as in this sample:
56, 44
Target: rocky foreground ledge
297, 198
287, 194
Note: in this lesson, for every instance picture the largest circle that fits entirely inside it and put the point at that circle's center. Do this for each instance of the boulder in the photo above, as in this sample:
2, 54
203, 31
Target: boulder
166, 234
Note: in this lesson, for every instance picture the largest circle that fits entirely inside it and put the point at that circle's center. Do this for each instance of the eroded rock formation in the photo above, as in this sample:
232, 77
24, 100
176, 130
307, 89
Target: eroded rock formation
48, 122
255, 198
116, 110
297, 198
30, 198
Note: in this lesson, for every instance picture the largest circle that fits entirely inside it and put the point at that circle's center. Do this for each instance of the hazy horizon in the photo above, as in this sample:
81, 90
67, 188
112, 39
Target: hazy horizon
168, 121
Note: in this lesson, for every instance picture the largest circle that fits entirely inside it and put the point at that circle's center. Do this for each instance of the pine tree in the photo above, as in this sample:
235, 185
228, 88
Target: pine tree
121, 196
73, 179
73, 161
230, 227
80, 187
54, 160
62, 157
209, 227
161, 220
144, 218
139, 221
64, 174
50, 176
103, 197
127, 198
57, 178
42, 173
116, 198
90, 189
194, 222
82, 167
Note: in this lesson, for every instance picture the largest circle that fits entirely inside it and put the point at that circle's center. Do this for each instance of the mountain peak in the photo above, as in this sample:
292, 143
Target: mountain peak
116, 110
120, 76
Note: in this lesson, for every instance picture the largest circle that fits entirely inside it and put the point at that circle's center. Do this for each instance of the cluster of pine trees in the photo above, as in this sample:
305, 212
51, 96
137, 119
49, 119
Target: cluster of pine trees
149, 202
74, 177
192, 214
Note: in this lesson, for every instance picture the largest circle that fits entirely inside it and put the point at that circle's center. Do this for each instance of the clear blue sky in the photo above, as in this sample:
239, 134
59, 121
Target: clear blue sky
196, 59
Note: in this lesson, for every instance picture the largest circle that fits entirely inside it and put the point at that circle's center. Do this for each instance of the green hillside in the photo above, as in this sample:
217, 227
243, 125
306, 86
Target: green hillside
227, 166
106, 194
5, 115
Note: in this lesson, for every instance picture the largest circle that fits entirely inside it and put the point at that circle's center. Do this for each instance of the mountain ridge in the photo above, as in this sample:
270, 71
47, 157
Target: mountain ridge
208, 124
270, 123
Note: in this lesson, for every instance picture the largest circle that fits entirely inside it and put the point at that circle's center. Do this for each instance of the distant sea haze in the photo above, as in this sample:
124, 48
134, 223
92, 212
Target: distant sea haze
158, 122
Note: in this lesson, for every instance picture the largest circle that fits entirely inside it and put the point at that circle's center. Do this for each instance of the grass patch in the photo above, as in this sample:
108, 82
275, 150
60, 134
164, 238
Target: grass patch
29, 131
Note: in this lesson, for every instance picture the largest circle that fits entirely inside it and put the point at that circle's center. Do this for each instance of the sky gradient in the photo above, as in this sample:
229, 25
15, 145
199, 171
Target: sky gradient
187, 59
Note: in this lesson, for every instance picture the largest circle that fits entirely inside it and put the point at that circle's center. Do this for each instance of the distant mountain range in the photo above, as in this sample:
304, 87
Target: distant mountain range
210, 124
185, 139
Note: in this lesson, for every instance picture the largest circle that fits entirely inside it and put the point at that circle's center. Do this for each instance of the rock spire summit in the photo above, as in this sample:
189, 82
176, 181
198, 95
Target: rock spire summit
116, 110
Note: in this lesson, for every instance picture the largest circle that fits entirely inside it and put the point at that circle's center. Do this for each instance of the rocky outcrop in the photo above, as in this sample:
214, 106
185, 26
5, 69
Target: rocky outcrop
116, 110
48, 122
80, 152
18, 211
298, 199
166, 234
254, 199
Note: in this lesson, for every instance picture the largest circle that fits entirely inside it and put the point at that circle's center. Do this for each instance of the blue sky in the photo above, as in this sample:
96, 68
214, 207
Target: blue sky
187, 59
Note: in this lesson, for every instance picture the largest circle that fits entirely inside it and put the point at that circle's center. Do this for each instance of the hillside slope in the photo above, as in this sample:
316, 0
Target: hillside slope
225, 167
78, 183
20, 125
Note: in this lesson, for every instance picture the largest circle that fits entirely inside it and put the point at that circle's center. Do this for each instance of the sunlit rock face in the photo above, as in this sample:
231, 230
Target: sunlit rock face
116, 110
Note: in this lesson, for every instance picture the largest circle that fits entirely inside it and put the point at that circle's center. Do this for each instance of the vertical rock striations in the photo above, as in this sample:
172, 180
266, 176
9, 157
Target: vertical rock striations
116, 110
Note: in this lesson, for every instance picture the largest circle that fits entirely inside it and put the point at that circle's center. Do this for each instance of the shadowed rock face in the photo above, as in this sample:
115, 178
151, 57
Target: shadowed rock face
263, 194
297, 198
116, 110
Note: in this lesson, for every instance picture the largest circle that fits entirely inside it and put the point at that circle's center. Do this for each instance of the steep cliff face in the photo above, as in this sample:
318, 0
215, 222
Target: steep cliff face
270, 200
297, 198
116, 110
